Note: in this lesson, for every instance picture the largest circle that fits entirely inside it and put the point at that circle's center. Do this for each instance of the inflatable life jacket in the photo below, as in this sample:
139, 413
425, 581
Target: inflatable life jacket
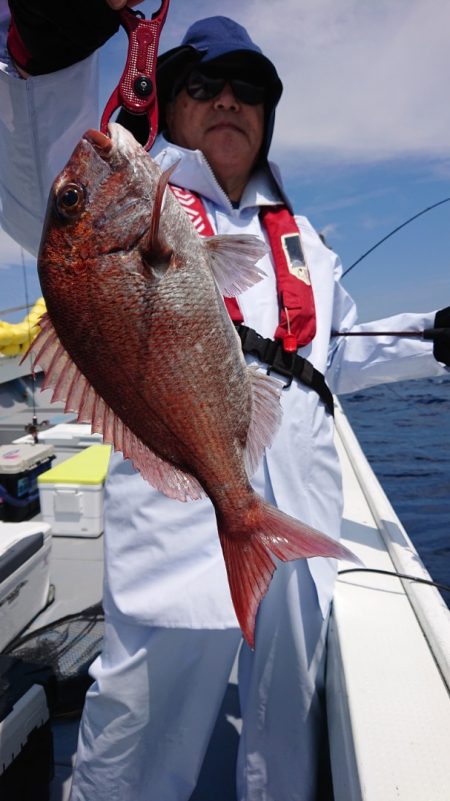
297, 319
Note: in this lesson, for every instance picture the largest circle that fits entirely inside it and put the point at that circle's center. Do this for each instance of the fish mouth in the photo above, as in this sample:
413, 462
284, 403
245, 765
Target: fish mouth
100, 142
119, 141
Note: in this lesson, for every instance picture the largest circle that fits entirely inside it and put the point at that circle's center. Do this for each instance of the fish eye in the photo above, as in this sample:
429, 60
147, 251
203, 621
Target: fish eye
70, 200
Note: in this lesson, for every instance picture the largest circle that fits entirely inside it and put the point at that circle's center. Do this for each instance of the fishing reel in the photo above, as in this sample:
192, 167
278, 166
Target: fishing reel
34, 427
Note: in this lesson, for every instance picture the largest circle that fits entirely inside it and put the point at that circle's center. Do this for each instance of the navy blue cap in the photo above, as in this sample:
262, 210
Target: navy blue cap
221, 40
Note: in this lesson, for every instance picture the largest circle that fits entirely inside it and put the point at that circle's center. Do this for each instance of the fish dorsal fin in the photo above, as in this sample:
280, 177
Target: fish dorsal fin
233, 259
72, 388
153, 240
265, 416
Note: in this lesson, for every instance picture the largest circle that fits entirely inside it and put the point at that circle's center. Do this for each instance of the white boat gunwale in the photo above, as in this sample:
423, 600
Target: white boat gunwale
387, 694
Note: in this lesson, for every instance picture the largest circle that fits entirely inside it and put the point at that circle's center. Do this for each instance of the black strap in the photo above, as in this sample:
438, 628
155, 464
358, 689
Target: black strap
289, 365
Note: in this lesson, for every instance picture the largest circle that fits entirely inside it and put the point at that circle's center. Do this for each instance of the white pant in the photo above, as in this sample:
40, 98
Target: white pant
157, 693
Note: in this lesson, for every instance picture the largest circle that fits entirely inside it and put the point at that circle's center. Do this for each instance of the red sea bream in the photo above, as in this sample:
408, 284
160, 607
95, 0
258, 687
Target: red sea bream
138, 342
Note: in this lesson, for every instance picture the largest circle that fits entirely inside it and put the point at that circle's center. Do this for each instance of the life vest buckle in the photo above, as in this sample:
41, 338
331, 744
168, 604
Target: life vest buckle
283, 362
289, 365
268, 351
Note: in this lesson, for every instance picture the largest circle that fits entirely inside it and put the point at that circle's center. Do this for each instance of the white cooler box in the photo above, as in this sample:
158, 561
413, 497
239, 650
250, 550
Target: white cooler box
24, 575
71, 493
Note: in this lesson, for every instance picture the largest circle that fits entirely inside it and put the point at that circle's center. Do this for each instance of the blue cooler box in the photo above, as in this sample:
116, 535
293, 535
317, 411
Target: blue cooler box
20, 466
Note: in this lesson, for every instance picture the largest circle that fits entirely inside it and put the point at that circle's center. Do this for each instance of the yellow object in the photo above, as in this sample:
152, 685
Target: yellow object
90, 466
16, 337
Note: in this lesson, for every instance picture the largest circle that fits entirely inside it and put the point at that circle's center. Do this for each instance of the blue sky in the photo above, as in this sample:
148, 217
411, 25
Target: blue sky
362, 135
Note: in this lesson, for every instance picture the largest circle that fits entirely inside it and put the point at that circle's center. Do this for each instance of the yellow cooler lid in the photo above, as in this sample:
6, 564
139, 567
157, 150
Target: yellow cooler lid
90, 466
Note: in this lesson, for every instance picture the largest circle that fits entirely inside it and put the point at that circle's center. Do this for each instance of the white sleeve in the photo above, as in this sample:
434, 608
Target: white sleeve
357, 362
41, 120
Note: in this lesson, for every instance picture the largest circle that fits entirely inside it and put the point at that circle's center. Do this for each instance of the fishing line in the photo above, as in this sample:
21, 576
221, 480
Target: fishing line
13, 309
398, 228
431, 583
33, 428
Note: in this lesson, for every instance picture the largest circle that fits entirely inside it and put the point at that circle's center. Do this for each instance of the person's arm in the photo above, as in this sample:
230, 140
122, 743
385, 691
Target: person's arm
43, 117
49, 35
357, 362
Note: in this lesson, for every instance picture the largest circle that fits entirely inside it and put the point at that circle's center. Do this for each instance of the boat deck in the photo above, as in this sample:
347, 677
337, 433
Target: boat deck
387, 701
389, 652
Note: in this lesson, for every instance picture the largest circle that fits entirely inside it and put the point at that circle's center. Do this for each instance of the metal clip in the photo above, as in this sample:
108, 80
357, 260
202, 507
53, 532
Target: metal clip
136, 90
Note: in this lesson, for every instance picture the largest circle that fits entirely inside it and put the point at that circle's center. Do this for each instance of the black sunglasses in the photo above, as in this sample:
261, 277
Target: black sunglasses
202, 87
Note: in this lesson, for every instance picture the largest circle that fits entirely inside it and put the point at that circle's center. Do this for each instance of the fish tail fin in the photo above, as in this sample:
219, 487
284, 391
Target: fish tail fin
247, 549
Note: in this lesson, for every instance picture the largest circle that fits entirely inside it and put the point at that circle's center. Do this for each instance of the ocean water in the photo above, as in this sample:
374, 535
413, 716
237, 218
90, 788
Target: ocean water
404, 430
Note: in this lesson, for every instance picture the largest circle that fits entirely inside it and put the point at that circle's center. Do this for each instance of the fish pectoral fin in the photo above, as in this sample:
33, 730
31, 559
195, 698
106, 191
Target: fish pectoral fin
233, 259
266, 414
157, 260
73, 389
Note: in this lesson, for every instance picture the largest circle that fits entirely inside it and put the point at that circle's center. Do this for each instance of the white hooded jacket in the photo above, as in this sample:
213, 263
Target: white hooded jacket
163, 560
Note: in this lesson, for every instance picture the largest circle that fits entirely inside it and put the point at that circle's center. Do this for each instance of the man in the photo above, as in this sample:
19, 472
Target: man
171, 636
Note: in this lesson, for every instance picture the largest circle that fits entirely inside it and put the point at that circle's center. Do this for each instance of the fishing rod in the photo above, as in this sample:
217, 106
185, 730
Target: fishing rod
33, 427
394, 231
427, 333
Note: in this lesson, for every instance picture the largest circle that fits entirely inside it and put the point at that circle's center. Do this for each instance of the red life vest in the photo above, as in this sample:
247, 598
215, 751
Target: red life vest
297, 321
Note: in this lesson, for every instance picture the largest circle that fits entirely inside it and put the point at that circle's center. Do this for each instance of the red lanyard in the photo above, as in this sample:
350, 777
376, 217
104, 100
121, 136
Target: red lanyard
297, 325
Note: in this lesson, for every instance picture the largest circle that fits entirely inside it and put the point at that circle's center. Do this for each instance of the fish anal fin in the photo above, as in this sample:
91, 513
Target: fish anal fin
233, 259
248, 547
72, 388
265, 418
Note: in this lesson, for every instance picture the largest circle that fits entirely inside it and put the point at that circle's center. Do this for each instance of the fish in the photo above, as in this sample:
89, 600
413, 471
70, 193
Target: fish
138, 343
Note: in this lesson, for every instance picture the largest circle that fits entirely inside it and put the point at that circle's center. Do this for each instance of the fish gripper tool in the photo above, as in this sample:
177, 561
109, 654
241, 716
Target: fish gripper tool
136, 90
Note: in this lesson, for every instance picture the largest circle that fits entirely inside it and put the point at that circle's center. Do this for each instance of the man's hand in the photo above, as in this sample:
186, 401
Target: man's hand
441, 344
50, 35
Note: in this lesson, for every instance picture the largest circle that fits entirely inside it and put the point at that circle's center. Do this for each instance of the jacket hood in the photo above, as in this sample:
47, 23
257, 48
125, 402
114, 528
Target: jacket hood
216, 39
